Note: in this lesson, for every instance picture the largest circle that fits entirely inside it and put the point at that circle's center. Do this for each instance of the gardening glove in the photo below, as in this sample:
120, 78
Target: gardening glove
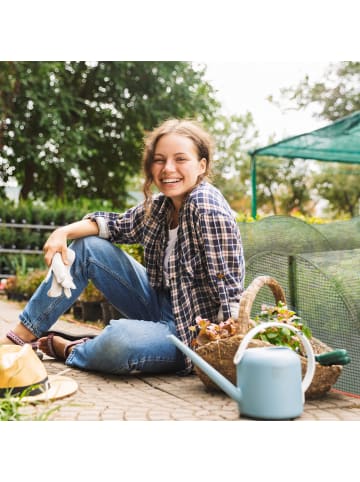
234, 310
62, 279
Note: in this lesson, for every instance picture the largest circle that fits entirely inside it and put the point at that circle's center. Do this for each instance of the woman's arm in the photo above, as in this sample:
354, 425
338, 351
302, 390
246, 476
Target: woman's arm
57, 241
224, 257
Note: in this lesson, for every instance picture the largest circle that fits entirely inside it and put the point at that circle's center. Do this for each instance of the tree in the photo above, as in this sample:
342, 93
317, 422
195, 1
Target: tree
283, 186
333, 98
234, 136
341, 187
71, 129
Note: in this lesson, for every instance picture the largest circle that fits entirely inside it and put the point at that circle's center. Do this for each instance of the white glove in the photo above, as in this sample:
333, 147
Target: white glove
62, 278
234, 310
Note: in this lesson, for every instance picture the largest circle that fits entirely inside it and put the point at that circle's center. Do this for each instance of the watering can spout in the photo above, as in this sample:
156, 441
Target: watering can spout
230, 389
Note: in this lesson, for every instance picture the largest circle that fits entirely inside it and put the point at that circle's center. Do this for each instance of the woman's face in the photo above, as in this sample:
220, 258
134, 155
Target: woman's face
176, 167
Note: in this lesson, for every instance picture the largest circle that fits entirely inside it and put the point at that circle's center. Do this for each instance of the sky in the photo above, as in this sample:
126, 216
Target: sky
244, 86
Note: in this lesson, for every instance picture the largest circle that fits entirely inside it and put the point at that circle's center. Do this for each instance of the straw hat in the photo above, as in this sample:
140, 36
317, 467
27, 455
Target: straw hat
21, 369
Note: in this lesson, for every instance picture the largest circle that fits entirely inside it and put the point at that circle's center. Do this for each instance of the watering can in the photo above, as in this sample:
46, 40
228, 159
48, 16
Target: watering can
269, 379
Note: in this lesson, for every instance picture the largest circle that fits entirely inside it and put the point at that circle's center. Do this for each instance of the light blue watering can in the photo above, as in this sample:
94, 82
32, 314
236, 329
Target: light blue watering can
269, 379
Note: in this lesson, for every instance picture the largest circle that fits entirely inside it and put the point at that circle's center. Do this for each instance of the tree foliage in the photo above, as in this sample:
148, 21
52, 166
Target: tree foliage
332, 98
340, 187
234, 135
71, 129
283, 186
336, 96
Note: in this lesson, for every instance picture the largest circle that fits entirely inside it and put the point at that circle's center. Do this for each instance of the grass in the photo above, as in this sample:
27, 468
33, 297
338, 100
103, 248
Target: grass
15, 408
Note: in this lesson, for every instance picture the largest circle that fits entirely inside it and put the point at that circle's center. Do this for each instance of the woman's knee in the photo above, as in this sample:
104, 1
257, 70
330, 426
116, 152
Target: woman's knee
135, 337
88, 243
93, 248
118, 337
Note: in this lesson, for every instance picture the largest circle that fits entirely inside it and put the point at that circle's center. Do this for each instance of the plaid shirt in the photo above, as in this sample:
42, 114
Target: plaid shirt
206, 268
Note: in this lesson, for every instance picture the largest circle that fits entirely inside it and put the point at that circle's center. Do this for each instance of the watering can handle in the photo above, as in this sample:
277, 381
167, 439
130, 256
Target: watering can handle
305, 342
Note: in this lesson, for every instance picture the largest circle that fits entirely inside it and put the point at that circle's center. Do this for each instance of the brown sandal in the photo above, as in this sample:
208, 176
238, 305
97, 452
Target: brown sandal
73, 343
51, 349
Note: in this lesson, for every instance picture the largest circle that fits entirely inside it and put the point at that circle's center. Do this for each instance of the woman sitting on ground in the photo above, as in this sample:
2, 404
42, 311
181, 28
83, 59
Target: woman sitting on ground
193, 260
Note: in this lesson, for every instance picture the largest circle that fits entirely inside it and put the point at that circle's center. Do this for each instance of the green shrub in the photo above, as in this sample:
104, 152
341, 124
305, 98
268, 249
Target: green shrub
134, 250
91, 293
30, 282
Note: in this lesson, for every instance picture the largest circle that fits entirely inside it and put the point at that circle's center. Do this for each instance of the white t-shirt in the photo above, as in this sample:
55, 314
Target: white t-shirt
169, 248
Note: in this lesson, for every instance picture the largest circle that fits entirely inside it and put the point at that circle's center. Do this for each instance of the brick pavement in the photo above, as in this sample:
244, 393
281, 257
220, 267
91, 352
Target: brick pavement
155, 397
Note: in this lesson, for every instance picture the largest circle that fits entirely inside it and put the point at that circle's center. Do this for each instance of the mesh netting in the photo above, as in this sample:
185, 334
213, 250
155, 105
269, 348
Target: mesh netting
323, 288
319, 270
341, 234
327, 288
281, 234
338, 141
268, 264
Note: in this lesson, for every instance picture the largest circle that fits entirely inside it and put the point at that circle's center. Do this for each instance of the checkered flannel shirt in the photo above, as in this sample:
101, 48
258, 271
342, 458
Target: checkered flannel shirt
206, 268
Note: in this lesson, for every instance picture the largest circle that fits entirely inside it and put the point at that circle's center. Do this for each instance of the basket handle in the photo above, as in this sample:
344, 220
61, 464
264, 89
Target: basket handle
249, 295
310, 368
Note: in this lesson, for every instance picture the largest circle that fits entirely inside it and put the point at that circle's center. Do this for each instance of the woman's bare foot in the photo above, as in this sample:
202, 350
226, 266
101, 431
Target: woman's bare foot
55, 346
58, 347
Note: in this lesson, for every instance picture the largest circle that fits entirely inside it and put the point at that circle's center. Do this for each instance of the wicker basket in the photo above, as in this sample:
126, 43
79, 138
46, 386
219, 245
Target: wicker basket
220, 353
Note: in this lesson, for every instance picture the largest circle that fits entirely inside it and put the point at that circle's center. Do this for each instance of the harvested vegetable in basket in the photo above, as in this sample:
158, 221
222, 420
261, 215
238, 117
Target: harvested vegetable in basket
281, 336
208, 331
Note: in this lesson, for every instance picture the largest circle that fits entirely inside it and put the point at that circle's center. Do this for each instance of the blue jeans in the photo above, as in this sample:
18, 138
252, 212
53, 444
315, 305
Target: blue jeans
139, 341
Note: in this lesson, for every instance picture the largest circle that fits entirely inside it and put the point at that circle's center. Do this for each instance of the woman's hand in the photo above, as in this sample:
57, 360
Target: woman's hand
56, 243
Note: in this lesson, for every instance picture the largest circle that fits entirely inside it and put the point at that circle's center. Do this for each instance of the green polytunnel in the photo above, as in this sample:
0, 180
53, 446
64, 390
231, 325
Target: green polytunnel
323, 289
327, 289
281, 234
342, 234
337, 142
320, 277
268, 246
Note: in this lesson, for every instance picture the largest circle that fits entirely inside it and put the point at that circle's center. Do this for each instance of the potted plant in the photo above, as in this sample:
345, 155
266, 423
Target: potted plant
13, 289
109, 312
90, 303
31, 282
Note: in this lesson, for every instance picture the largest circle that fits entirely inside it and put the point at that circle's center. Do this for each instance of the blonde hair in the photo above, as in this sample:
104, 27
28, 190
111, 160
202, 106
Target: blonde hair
184, 127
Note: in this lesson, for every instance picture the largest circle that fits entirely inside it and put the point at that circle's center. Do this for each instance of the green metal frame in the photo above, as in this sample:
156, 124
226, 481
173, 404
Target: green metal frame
253, 187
